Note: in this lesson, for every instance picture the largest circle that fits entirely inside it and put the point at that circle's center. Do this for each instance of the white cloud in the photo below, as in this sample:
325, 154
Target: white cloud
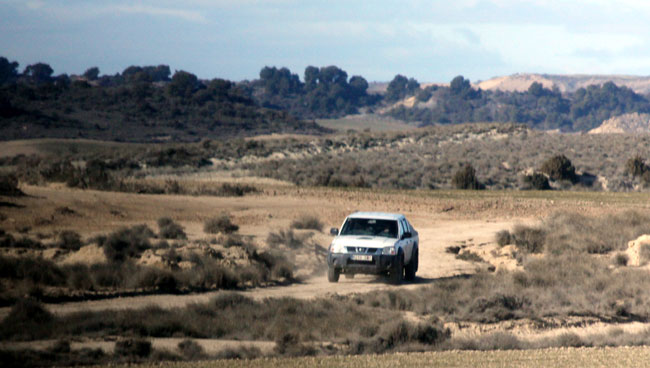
189, 15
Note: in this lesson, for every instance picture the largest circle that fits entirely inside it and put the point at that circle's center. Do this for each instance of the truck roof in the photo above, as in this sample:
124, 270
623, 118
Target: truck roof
377, 215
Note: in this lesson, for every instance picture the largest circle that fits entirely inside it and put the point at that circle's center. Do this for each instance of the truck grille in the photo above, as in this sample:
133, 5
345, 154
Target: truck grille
363, 250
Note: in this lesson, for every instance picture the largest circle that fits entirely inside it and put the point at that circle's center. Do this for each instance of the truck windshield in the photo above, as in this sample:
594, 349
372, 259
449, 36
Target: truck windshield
372, 227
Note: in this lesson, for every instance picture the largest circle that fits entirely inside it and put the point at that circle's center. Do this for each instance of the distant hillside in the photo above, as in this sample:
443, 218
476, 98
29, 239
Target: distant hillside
142, 104
626, 123
565, 83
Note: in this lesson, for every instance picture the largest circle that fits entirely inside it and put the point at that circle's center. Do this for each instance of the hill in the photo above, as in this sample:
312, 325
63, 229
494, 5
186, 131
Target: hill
142, 104
565, 83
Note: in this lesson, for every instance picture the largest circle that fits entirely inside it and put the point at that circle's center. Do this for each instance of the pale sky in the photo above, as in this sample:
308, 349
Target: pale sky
432, 41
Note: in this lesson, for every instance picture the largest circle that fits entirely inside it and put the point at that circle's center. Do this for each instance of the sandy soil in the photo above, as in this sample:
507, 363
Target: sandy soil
441, 219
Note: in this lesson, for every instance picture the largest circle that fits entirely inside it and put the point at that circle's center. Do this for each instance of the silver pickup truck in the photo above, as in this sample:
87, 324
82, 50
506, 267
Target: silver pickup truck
374, 243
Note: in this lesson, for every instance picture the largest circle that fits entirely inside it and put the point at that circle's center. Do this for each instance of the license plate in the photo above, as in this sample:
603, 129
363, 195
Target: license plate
361, 257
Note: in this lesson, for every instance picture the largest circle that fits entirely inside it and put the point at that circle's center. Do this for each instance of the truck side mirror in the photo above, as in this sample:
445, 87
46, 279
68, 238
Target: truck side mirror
406, 235
334, 231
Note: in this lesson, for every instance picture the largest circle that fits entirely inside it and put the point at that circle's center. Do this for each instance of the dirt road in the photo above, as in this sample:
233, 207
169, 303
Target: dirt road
435, 263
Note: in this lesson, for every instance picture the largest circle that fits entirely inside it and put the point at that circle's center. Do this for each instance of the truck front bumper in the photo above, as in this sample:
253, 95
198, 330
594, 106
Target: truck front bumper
345, 264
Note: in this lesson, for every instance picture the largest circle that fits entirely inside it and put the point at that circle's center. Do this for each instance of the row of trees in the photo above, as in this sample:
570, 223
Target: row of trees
139, 104
538, 107
326, 92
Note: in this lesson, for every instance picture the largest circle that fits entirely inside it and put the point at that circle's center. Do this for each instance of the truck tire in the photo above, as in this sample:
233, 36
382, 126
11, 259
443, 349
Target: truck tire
412, 267
397, 272
333, 274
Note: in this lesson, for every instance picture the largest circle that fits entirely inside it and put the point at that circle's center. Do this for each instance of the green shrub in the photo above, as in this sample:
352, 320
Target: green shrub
169, 229
465, 178
559, 167
221, 224
307, 222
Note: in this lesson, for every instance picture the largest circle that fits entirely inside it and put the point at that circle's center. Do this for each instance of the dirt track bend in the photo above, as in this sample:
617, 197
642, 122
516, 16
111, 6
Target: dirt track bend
435, 263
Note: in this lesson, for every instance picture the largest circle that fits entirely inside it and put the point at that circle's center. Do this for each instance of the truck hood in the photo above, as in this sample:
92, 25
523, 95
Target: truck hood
363, 241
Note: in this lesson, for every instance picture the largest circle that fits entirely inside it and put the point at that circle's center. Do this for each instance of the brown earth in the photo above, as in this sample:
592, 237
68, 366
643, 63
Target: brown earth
443, 219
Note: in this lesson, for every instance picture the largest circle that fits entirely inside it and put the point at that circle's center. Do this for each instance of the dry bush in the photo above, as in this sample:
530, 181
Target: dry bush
529, 239
222, 224
503, 238
191, 350
131, 349
169, 229
307, 222
27, 320
127, 242
9, 186
465, 178
242, 352
559, 167
536, 181
69, 239
621, 259
288, 238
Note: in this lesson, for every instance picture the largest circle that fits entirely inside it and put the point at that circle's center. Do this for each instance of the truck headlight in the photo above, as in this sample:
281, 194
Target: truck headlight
389, 251
336, 248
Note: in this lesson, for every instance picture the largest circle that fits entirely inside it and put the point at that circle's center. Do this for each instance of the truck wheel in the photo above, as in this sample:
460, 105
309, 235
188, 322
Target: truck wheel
412, 267
397, 272
333, 274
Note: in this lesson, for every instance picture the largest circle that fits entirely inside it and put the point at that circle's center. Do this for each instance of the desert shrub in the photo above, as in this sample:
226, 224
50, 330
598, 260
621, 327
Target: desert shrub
392, 335
529, 239
503, 238
492, 341
8, 241
27, 320
236, 190
469, 257
69, 239
36, 270
9, 186
307, 222
233, 240
559, 167
78, 277
465, 178
191, 350
536, 181
220, 224
577, 232
621, 259
498, 307
169, 229
132, 348
151, 277
242, 352
636, 166
95, 175
287, 238
127, 242
289, 344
